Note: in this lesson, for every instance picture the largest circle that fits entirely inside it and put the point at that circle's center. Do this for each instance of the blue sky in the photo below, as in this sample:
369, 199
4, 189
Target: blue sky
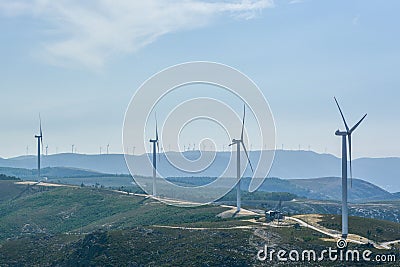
79, 65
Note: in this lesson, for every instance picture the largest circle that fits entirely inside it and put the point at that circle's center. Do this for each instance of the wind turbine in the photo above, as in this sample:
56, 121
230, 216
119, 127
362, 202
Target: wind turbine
155, 143
344, 134
40, 142
238, 143
47, 148
108, 146
72, 149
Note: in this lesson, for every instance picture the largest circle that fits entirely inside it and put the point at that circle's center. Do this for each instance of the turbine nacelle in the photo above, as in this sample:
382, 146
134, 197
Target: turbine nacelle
234, 141
340, 133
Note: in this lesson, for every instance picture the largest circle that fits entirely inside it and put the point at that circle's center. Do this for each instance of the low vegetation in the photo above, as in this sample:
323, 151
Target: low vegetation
4, 177
377, 230
89, 226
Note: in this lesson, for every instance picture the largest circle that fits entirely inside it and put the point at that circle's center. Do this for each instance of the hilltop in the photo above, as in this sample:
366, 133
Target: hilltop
48, 172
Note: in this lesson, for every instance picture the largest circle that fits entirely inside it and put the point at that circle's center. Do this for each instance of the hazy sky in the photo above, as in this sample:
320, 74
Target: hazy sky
79, 65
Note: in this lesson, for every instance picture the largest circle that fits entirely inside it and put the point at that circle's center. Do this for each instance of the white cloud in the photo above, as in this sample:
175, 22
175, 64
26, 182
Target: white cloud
296, 1
93, 31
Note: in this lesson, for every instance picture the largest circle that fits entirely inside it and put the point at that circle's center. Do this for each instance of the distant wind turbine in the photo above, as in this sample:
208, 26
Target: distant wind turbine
47, 148
155, 143
344, 134
108, 146
40, 142
238, 143
72, 148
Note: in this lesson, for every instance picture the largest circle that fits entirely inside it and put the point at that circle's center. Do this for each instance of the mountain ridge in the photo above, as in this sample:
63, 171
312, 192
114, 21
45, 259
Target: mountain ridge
288, 164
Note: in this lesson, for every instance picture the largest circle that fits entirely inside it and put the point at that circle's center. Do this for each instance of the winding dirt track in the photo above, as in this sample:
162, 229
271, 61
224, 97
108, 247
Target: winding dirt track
231, 213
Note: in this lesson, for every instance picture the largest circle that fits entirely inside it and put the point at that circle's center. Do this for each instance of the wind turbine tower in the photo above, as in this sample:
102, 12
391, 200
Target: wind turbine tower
346, 138
155, 143
40, 142
238, 143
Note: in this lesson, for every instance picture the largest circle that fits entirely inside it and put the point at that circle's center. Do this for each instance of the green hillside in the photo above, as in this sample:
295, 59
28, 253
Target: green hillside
75, 209
87, 226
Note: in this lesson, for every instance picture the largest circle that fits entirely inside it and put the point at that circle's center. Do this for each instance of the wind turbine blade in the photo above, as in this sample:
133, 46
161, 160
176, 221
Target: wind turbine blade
40, 132
244, 115
155, 116
158, 150
341, 113
351, 170
247, 155
40, 125
358, 123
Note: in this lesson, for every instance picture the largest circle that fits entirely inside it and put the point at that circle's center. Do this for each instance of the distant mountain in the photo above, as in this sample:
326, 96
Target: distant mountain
113, 163
384, 172
327, 188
